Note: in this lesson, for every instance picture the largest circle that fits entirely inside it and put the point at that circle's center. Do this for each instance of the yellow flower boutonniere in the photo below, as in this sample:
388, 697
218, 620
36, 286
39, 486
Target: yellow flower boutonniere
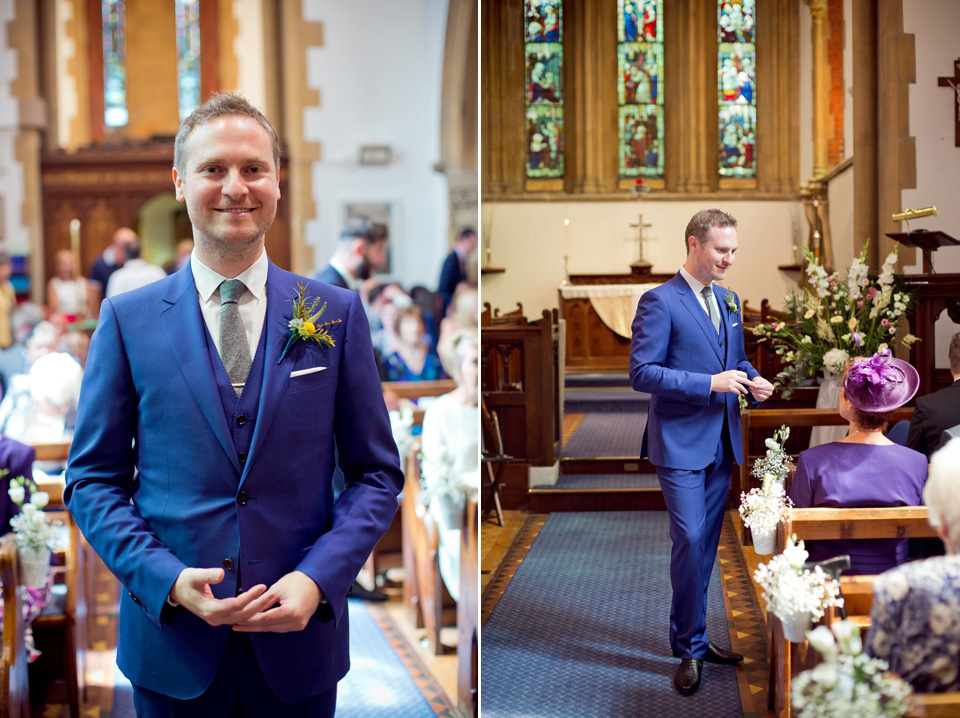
303, 325
732, 304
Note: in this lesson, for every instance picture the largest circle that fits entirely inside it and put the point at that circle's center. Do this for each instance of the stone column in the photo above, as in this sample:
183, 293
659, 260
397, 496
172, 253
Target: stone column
821, 86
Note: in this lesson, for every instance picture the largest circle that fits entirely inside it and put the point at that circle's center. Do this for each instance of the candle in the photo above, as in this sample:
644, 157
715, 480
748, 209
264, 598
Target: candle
566, 250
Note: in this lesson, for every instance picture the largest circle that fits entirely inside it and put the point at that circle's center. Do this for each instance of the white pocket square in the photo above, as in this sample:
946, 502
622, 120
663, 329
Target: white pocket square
735, 324
301, 372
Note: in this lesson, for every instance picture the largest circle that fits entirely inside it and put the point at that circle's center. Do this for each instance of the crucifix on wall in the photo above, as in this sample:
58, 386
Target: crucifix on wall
641, 266
954, 82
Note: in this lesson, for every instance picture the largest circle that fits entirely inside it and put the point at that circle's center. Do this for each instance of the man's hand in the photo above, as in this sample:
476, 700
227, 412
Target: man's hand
192, 591
761, 388
732, 381
298, 596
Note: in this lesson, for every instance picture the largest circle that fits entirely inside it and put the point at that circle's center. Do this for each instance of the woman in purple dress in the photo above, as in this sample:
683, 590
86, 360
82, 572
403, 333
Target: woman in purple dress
865, 469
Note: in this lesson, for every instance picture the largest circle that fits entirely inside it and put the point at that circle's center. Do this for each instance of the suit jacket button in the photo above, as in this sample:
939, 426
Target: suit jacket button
241, 420
242, 456
228, 564
242, 498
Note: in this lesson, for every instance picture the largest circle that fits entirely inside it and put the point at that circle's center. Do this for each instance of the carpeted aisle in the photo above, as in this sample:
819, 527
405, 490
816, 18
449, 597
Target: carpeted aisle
581, 629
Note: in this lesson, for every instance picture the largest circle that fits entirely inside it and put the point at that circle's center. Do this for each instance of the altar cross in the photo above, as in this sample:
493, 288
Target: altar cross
954, 82
640, 227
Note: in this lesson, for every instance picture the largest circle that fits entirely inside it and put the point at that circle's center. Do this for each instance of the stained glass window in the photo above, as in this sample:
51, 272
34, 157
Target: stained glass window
114, 22
543, 49
188, 56
640, 86
736, 82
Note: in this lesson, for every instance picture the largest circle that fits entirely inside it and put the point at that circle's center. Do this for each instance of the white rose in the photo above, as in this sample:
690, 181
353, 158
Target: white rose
771, 444
821, 638
848, 637
16, 494
795, 555
825, 674
40, 499
29, 510
39, 519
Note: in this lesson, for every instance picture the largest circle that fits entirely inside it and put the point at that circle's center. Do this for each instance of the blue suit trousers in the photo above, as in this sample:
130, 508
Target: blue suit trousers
695, 503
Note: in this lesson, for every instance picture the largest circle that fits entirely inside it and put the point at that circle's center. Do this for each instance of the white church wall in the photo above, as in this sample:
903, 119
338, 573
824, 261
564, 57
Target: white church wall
935, 25
379, 77
527, 239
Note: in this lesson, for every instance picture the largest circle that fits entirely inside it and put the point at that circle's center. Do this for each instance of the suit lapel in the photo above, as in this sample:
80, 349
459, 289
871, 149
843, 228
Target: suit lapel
186, 332
275, 377
690, 301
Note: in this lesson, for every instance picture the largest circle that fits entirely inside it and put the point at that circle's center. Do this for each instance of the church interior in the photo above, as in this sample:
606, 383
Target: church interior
830, 131
376, 108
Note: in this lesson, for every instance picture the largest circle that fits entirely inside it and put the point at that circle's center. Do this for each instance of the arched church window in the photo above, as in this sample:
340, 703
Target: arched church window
640, 87
114, 26
736, 85
543, 53
188, 56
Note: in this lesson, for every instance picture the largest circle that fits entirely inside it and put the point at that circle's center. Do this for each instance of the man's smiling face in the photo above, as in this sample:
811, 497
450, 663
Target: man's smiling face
230, 183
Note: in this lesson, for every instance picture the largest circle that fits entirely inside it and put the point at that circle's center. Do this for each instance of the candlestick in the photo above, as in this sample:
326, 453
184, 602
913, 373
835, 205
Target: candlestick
566, 251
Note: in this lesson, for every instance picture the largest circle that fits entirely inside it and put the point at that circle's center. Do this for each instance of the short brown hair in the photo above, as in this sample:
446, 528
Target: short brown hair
406, 313
954, 354
221, 104
868, 420
703, 221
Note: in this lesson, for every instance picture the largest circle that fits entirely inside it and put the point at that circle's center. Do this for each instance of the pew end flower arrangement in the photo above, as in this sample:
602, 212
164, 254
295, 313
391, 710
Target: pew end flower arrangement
446, 488
795, 594
840, 315
762, 509
34, 535
848, 682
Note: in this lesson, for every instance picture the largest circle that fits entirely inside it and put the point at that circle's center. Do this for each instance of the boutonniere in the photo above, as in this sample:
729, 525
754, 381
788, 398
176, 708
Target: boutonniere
732, 304
303, 324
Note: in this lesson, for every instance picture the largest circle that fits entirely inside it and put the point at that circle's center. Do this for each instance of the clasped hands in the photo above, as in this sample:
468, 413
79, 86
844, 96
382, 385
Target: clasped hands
736, 382
254, 610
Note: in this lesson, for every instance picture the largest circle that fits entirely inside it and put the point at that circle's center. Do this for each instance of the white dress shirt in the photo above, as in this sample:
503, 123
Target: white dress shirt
252, 304
352, 282
697, 288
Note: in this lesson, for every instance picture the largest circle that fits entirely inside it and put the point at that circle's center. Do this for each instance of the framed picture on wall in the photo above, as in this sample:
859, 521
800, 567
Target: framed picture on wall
384, 213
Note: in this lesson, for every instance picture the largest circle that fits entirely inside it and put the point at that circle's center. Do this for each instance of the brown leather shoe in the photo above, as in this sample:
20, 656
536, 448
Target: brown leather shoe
687, 678
718, 655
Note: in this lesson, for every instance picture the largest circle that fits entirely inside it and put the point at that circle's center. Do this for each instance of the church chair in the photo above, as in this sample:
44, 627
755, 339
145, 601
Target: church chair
493, 458
14, 683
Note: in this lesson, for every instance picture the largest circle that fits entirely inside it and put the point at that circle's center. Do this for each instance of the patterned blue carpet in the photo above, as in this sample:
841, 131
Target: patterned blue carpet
581, 629
604, 481
607, 434
595, 379
581, 401
378, 684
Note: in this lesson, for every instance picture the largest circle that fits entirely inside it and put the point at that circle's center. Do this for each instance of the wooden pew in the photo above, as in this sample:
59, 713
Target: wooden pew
520, 380
14, 687
468, 659
768, 421
416, 389
432, 601
819, 524
937, 705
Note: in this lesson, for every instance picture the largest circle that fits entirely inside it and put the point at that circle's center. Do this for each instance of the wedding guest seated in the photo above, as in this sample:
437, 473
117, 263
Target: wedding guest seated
70, 297
41, 406
412, 358
939, 411
915, 623
864, 469
463, 313
451, 450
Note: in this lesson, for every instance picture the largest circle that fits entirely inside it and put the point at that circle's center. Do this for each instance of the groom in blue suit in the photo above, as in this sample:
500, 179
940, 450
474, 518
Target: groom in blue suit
687, 351
200, 469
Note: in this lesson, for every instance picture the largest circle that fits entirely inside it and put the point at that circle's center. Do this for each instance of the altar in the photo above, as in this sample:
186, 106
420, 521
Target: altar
599, 311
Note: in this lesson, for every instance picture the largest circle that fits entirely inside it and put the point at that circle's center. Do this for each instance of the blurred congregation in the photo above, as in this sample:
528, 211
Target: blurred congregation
378, 195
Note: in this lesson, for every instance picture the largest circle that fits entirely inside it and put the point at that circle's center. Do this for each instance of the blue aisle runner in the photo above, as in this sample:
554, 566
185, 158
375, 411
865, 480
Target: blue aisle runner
582, 629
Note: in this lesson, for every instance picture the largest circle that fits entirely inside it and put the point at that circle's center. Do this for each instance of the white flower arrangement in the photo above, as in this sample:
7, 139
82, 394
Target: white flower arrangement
762, 508
789, 588
848, 682
775, 461
30, 526
401, 425
441, 482
835, 360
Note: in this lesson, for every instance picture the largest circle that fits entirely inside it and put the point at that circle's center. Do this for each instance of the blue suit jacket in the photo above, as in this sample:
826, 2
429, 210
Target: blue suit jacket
154, 478
673, 354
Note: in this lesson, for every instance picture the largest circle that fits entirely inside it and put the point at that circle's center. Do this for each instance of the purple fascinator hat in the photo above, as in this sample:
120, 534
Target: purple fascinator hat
881, 383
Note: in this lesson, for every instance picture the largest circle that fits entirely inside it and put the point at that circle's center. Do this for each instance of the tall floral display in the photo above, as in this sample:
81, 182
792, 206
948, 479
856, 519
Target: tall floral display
839, 316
